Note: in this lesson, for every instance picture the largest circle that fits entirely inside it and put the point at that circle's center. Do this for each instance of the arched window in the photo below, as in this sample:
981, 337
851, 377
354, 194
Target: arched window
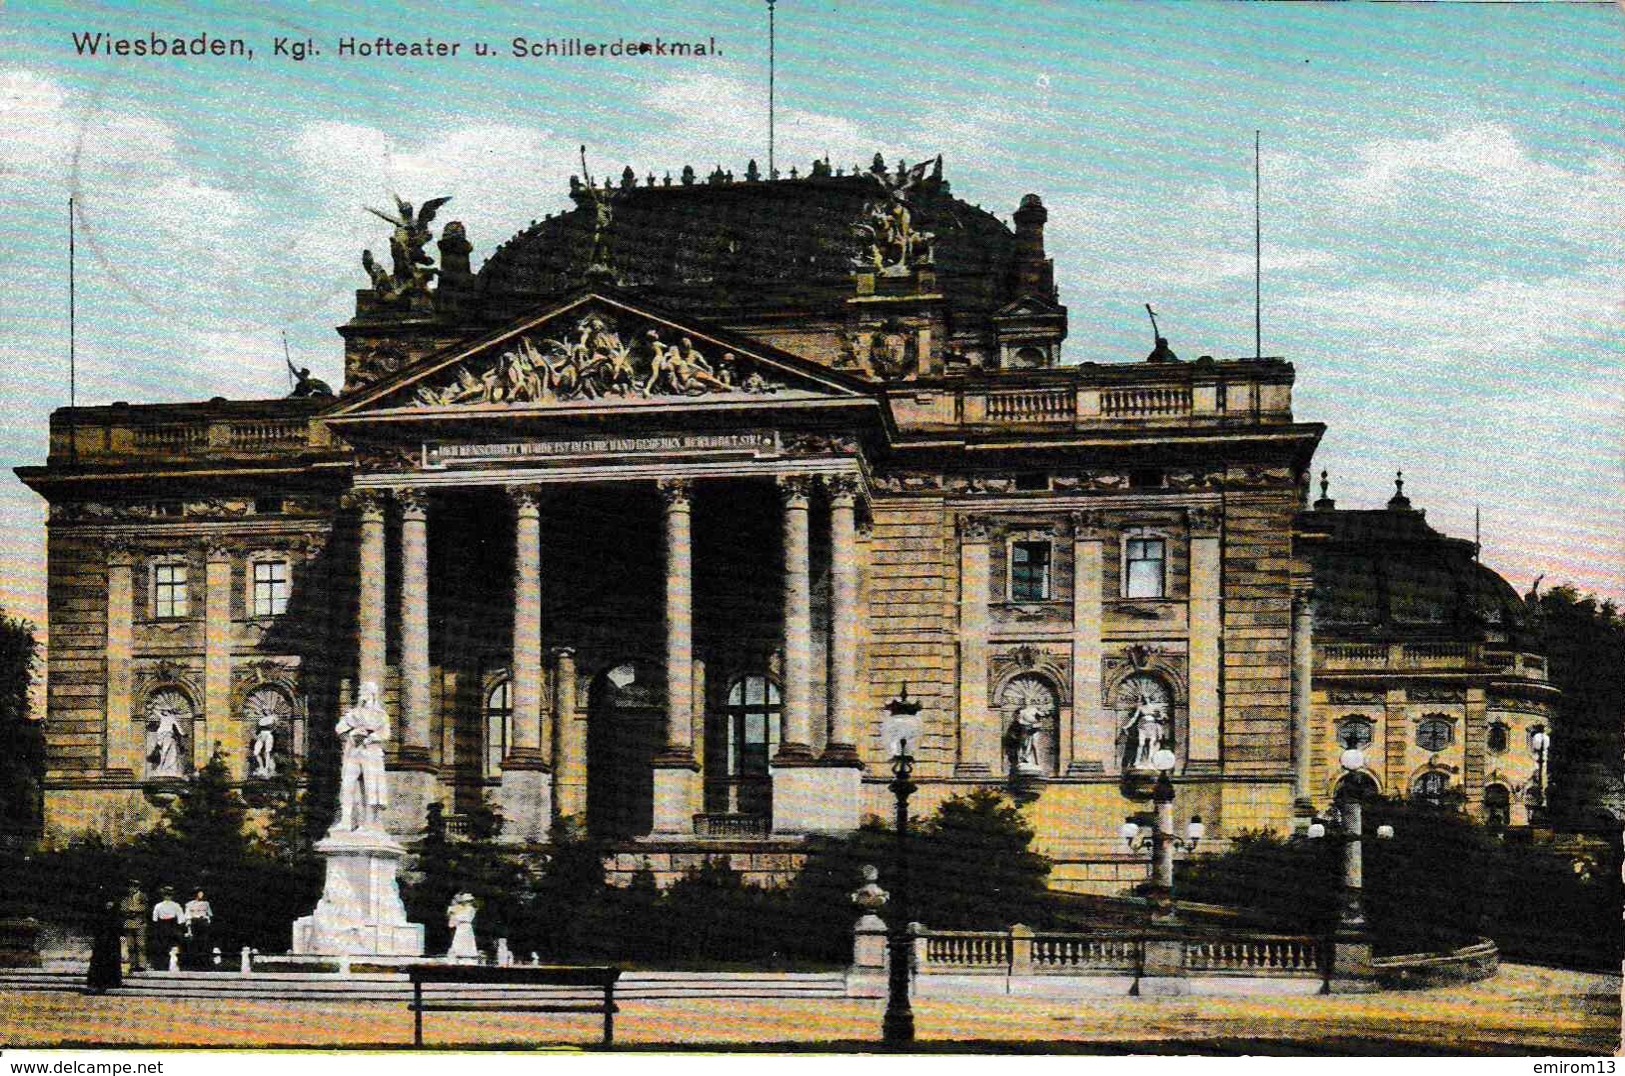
753, 725
1435, 734
1496, 739
498, 725
1431, 788
1354, 732
1497, 805
169, 714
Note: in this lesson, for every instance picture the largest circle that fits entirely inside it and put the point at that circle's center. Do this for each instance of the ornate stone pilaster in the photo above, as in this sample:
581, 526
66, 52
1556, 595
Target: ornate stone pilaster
1303, 654
414, 619
525, 749
124, 742
1093, 731
219, 724
370, 567
845, 627
796, 743
1206, 633
978, 726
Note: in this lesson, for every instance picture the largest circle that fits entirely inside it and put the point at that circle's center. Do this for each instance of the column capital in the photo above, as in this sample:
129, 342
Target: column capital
843, 489
414, 502
219, 554
1204, 520
526, 498
563, 653
1089, 526
796, 489
120, 552
369, 502
1303, 597
675, 492
975, 528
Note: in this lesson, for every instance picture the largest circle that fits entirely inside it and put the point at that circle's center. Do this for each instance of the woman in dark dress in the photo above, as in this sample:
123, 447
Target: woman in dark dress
105, 972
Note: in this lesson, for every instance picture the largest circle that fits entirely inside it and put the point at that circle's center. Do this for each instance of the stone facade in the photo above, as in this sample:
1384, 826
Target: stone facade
643, 527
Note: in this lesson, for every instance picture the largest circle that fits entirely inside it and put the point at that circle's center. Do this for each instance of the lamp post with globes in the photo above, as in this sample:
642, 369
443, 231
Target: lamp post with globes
901, 732
1162, 838
1350, 969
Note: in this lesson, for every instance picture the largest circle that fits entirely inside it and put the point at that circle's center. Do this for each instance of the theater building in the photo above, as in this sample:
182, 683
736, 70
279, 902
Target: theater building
646, 521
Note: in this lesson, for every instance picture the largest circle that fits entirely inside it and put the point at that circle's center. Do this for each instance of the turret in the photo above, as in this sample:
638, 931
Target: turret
1035, 274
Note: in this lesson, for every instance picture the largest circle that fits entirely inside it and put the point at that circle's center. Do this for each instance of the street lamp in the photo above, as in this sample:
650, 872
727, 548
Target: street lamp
901, 732
1346, 818
1162, 839
1540, 741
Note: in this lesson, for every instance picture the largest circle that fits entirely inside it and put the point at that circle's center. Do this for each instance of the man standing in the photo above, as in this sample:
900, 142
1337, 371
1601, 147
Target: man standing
135, 927
167, 919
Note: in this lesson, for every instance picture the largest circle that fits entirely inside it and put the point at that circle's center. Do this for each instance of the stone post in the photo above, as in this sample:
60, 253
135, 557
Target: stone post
125, 742
978, 734
371, 566
1021, 949
1093, 733
527, 792
219, 725
676, 773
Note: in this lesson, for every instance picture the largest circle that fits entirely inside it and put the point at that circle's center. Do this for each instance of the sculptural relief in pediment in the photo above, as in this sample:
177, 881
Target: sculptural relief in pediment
600, 358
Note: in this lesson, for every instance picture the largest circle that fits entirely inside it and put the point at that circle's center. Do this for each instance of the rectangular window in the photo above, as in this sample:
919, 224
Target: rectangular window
1029, 571
169, 590
270, 588
1143, 568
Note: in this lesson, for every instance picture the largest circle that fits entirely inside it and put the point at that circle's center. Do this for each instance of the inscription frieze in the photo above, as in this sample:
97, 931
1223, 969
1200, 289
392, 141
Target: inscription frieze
438, 454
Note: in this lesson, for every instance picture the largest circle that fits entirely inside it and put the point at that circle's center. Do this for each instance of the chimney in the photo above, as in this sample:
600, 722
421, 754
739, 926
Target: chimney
1035, 274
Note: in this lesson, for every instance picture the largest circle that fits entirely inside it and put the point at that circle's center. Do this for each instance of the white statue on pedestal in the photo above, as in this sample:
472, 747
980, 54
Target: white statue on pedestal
460, 918
363, 794
1147, 722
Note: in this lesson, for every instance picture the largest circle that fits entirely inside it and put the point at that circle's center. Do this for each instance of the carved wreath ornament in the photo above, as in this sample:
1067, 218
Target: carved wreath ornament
596, 363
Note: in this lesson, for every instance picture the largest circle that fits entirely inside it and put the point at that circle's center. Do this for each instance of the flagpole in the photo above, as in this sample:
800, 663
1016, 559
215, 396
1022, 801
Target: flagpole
1258, 255
73, 364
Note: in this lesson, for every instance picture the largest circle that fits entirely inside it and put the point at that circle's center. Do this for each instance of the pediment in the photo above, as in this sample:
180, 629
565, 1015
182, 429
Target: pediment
599, 352
1027, 306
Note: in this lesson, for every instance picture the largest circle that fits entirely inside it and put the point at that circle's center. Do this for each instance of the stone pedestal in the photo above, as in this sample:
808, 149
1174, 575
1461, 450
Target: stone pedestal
360, 913
1164, 971
1352, 971
815, 799
677, 795
866, 978
525, 799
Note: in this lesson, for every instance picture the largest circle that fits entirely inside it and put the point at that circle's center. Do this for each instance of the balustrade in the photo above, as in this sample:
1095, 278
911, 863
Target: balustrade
1145, 402
1042, 405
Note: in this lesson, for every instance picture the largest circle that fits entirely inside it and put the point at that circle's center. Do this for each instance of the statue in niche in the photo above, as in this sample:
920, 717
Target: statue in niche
1148, 727
167, 713
1034, 704
362, 732
264, 750
410, 263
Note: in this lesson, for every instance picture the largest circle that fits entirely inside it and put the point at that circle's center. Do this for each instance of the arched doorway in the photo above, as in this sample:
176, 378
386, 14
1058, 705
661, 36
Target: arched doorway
625, 729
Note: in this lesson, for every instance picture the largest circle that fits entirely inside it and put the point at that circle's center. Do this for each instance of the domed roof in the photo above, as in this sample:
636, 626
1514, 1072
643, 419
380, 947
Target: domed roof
727, 245
1387, 574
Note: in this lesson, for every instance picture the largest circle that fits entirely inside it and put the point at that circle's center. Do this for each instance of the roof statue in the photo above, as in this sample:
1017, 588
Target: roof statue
894, 244
411, 266
1160, 352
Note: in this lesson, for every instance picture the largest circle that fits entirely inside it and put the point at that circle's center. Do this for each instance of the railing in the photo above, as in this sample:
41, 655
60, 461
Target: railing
732, 825
1255, 956
1145, 402
1433, 653
1364, 652
1044, 405
1069, 954
173, 436
266, 434
961, 949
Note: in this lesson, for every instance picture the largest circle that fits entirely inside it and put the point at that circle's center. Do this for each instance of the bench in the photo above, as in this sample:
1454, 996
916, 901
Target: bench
598, 978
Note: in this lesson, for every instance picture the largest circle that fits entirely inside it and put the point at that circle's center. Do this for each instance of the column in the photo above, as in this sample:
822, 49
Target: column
1206, 629
797, 734
845, 627
219, 725
370, 612
412, 777
978, 734
123, 738
1303, 658
526, 794
569, 740
414, 619
676, 772
1093, 734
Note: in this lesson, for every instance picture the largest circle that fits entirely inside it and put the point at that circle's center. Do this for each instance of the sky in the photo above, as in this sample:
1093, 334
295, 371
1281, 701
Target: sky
1443, 233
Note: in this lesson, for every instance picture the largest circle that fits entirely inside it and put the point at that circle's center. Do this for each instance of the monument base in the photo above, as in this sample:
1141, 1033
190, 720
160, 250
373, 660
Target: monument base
360, 913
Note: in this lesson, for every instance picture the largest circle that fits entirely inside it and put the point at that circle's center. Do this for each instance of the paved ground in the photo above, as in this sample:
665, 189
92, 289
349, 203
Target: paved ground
1523, 1010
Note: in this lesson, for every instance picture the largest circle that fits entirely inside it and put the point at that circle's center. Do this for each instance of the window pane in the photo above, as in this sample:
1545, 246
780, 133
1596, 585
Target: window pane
1145, 579
1029, 571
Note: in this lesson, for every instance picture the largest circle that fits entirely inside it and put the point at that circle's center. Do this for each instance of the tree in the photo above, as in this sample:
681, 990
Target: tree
1584, 643
22, 743
475, 864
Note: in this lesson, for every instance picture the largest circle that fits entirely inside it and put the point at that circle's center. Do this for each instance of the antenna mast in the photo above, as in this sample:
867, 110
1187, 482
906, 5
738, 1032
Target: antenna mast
772, 173
1258, 256
73, 367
